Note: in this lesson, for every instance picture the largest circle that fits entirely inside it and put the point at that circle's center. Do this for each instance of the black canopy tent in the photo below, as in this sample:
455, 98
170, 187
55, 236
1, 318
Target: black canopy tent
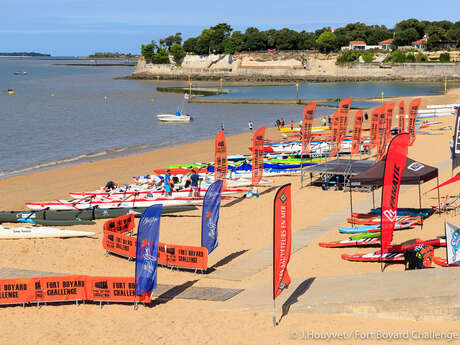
415, 173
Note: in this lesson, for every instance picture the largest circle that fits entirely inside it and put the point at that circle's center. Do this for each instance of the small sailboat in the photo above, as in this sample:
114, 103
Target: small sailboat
10, 91
180, 115
20, 73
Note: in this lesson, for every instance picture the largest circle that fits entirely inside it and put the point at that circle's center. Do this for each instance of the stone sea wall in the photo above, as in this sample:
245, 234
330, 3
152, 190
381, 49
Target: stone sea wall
289, 66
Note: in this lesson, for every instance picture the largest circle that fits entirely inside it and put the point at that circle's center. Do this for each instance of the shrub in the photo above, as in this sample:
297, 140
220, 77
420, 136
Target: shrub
410, 57
421, 58
348, 56
398, 56
368, 57
444, 57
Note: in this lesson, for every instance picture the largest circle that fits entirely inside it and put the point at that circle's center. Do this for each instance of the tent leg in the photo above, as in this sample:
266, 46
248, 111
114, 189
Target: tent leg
351, 208
373, 198
439, 199
420, 204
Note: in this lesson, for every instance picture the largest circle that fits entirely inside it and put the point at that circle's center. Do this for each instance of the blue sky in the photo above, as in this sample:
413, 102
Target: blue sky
82, 27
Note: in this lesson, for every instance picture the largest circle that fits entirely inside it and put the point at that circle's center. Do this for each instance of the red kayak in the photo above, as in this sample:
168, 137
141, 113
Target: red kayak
376, 220
395, 253
363, 242
443, 262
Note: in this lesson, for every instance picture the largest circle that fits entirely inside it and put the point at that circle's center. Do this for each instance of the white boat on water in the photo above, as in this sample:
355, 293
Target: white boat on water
178, 117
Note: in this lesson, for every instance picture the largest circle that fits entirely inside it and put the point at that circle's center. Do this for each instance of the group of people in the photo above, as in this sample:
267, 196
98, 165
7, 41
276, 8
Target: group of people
192, 180
279, 123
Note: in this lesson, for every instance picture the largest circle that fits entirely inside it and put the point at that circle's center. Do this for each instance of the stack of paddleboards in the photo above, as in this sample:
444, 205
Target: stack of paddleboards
367, 234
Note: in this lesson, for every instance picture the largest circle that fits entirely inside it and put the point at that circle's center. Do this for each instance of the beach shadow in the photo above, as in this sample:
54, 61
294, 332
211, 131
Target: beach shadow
226, 260
181, 216
268, 190
234, 202
170, 294
301, 289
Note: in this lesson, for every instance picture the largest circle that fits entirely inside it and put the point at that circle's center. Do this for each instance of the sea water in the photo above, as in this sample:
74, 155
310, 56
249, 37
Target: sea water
62, 114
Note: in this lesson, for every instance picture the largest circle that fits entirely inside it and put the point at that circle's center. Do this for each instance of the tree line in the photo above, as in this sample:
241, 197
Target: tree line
221, 38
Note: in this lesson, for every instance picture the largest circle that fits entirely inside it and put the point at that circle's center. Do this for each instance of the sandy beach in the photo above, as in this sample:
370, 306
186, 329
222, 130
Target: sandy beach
245, 228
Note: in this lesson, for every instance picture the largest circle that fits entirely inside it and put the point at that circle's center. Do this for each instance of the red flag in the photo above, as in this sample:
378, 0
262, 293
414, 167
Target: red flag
258, 155
220, 158
281, 239
413, 111
357, 127
394, 166
307, 122
401, 118
344, 111
389, 120
374, 128
381, 133
335, 128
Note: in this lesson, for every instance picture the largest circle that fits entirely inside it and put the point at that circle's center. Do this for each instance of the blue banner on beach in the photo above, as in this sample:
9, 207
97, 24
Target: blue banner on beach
211, 206
148, 233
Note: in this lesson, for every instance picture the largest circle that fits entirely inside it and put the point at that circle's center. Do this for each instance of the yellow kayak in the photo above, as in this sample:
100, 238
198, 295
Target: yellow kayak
297, 129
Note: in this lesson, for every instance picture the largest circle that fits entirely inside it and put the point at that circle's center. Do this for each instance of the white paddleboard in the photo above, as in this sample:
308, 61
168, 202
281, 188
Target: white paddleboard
39, 232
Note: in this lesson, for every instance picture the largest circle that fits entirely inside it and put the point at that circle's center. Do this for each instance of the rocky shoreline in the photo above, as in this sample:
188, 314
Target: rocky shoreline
264, 79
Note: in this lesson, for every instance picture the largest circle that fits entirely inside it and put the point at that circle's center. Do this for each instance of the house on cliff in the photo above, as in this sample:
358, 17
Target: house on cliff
386, 44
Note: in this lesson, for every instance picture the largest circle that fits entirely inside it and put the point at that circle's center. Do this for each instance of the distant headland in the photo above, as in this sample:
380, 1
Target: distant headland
21, 54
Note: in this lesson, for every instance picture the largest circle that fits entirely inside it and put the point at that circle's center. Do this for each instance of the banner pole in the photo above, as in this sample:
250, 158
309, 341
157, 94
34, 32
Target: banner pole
439, 201
274, 313
420, 204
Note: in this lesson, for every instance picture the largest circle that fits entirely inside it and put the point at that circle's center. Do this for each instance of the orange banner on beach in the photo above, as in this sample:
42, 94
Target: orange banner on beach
381, 136
120, 224
220, 158
389, 120
357, 128
189, 257
401, 118
374, 128
117, 289
258, 155
15, 291
120, 244
307, 123
282, 235
335, 134
344, 111
59, 288
172, 255
413, 111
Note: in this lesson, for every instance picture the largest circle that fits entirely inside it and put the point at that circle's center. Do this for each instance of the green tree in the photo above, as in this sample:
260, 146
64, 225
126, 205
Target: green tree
454, 35
178, 52
306, 40
412, 23
234, 43
254, 40
421, 58
147, 51
189, 45
286, 39
406, 37
169, 41
326, 42
161, 56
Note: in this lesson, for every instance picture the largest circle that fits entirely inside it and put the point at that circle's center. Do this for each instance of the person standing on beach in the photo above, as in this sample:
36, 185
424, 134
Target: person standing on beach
282, 123
329, 121
323, 122
250, 125
292, 125
222, 125
366, 117
194, 178
167, 183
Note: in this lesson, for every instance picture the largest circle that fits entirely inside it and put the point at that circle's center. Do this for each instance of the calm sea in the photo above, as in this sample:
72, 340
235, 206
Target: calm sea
63, 114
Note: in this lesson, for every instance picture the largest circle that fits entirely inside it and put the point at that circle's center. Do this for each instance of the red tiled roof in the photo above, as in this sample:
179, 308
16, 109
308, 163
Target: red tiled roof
357, 43
388, 41
420, 41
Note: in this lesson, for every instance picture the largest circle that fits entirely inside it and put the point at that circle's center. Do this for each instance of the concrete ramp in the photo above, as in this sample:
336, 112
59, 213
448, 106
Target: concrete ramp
430, 294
